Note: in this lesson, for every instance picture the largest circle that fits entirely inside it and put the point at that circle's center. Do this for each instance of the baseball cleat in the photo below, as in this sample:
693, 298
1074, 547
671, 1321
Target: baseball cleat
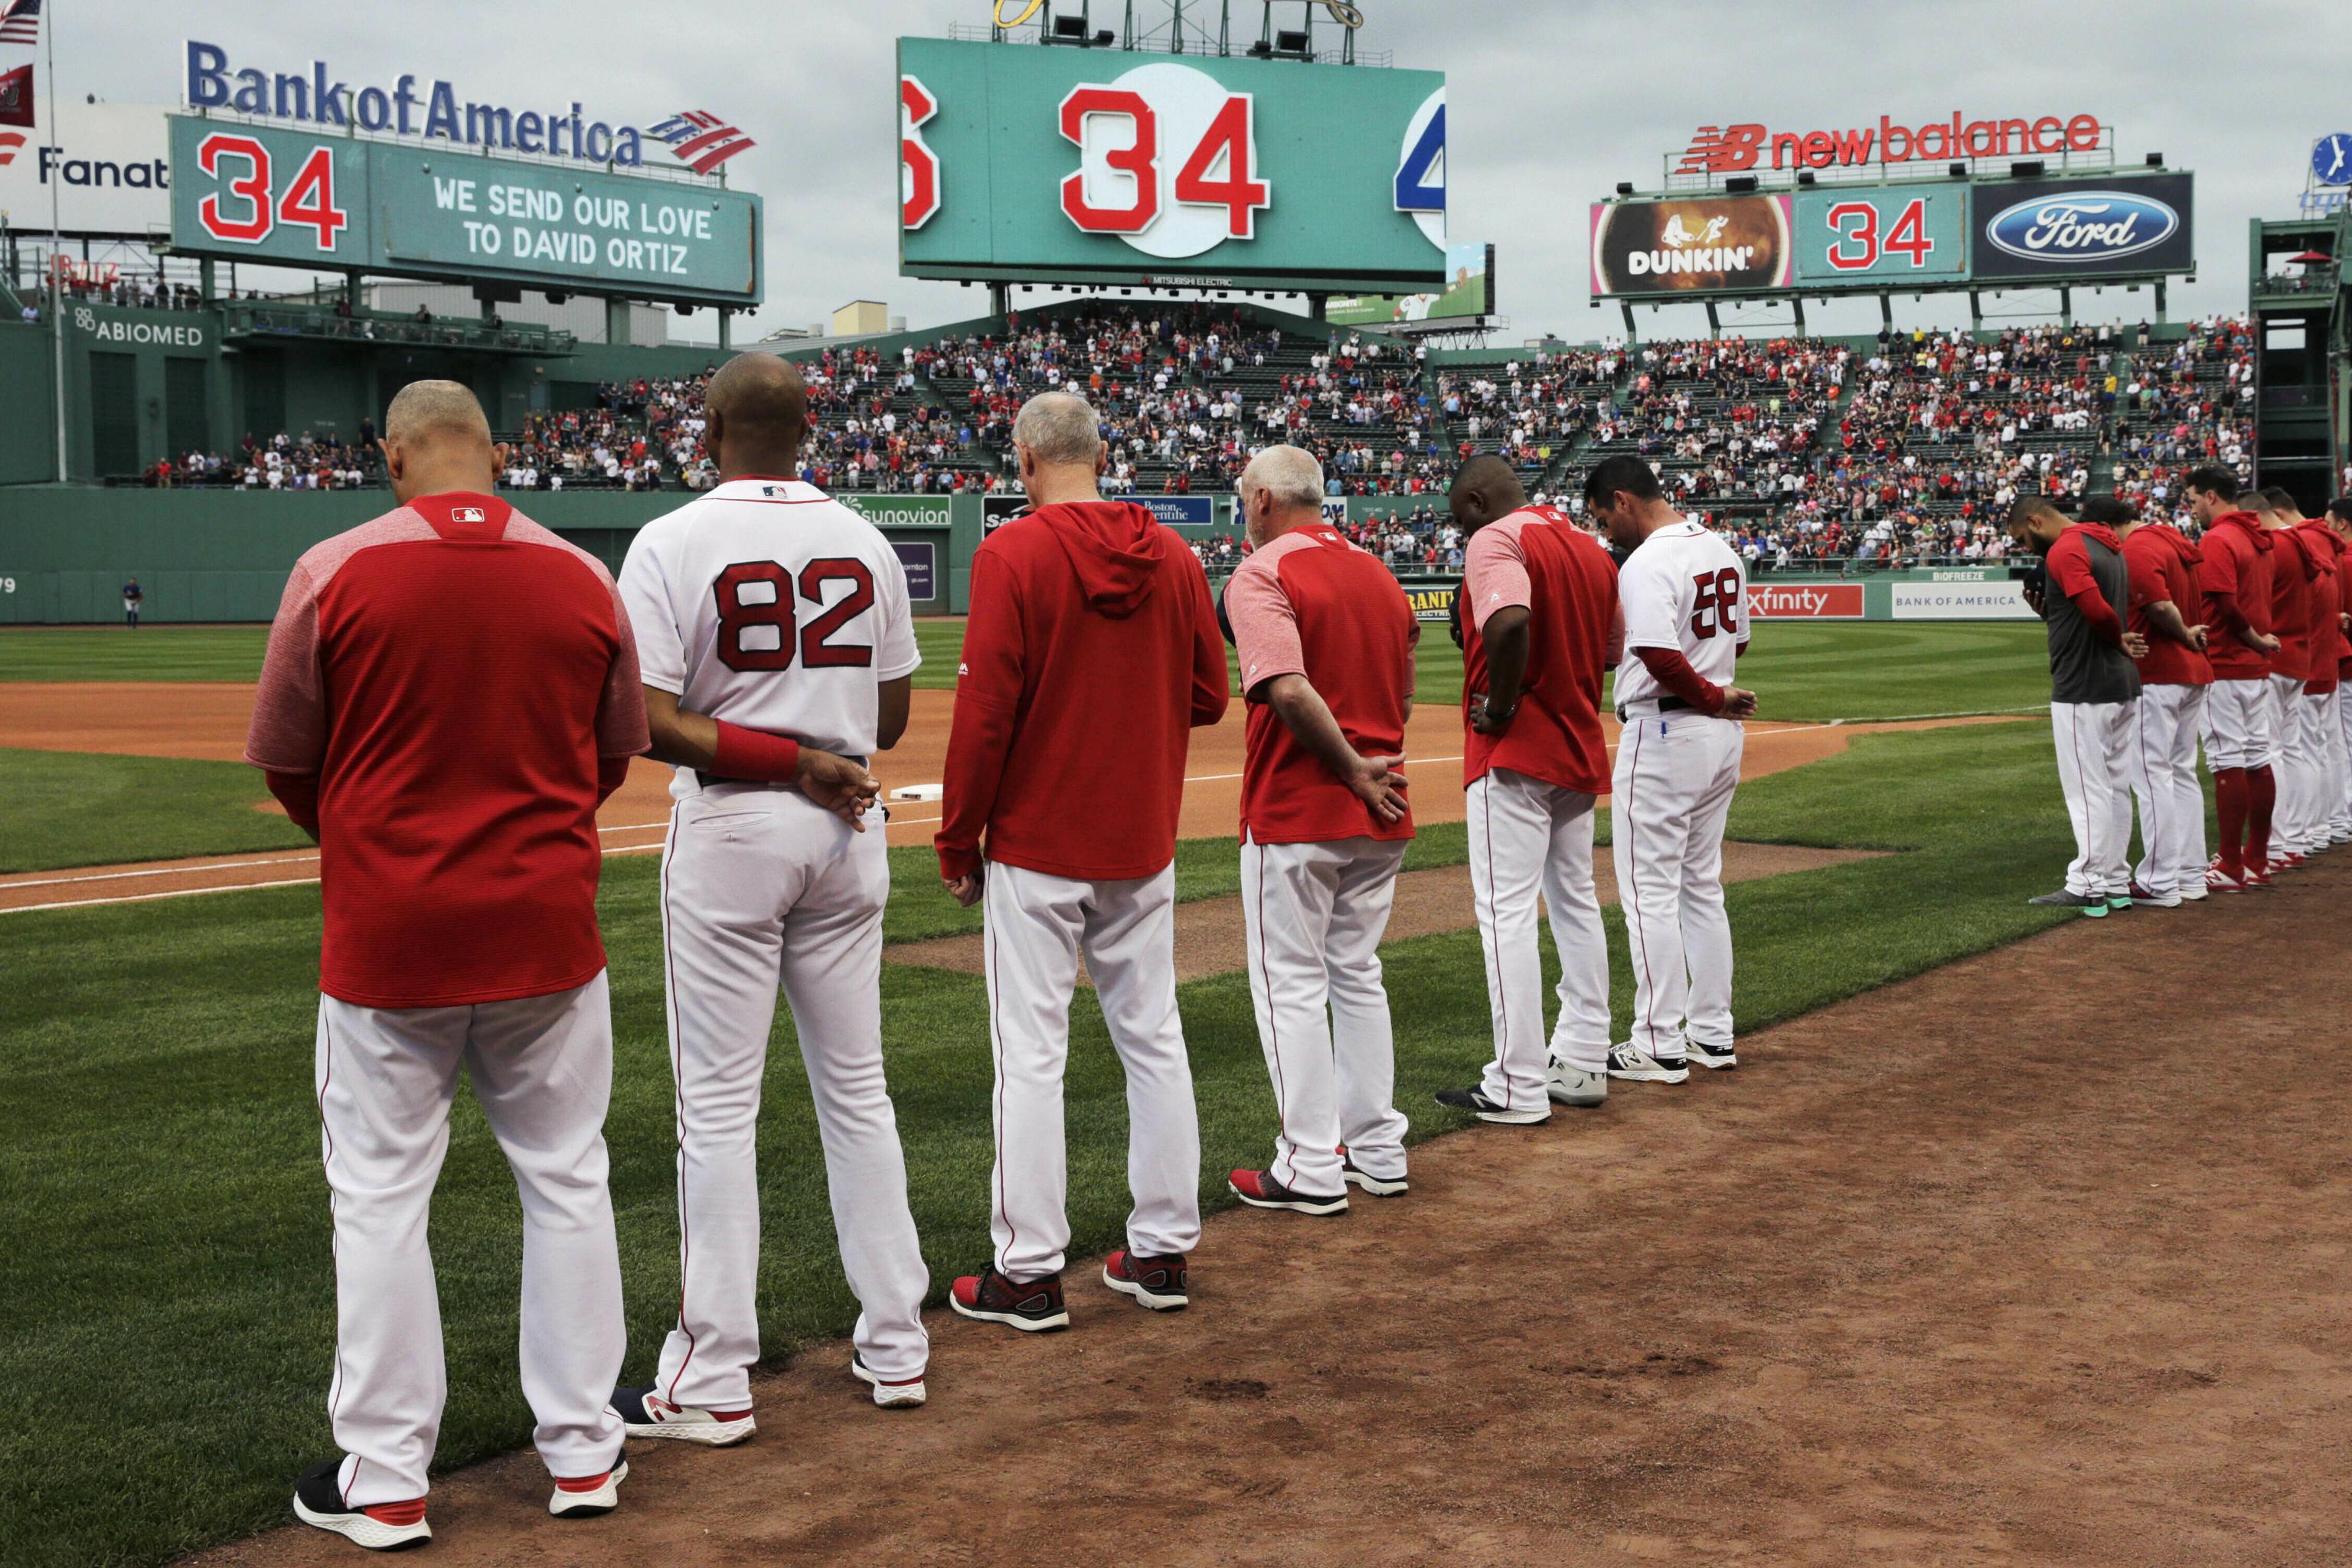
1032, 1306
1477, 1104
2292, 860
2256, 876
1370, 1185
1160, 1283
1566, 1085
2194, 893
890, 1394
1630, 1062
2221, 878
1261, 1191
2092, 906
1722, 1057
2118, 902
2148, 900
585, 1496
647, 1415
378, 1526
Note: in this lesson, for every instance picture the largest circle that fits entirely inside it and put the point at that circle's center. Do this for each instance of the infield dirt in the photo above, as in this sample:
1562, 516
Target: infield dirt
2022, 1261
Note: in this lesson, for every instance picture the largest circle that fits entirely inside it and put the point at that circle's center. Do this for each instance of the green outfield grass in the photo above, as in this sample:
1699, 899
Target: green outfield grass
117, 653
159, 1084
87, 808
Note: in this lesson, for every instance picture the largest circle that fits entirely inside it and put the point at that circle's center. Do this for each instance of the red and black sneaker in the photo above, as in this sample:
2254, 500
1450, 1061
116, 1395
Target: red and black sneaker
378, 1526
1156, 1282
1032, 1305
1261, 1191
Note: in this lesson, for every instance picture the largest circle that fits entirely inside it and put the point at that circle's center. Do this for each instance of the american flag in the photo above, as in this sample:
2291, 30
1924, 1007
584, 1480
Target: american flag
698, 139
20, 21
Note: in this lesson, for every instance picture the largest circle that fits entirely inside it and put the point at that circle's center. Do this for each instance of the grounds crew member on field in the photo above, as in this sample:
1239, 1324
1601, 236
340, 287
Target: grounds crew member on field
2093, 687
1091, 653
1326, 641
450, 692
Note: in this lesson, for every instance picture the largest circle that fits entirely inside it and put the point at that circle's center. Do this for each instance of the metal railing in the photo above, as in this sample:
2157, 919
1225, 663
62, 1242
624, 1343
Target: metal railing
247, 319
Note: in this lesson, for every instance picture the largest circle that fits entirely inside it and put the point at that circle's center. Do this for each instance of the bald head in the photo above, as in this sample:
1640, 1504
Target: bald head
755, 416
1485, 489
437, 440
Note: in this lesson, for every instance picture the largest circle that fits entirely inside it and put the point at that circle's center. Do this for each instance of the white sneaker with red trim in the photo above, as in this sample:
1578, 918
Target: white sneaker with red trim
647, 1415
898, 1393
585, 1496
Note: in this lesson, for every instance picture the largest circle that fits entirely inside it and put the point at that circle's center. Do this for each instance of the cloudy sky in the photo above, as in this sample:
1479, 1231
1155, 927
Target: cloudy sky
1550, 104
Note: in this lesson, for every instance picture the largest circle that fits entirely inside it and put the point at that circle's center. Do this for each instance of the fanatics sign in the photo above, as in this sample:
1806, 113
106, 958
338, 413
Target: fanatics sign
1735, 149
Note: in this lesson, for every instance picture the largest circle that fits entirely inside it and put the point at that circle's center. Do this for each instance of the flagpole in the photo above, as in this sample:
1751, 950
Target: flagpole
56, 247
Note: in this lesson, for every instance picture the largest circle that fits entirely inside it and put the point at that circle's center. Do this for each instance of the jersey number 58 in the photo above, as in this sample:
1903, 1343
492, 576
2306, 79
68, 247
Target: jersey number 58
774, 608
1716, 608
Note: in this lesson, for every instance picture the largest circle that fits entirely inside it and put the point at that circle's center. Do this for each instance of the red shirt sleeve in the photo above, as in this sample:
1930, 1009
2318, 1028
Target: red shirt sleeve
298, 793
2070, 568
987, 702
2147, 574
1211, 685
289, 733
1673, 671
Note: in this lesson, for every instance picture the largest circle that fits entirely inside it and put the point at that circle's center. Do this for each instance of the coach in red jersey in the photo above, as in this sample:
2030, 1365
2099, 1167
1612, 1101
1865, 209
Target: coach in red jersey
1326, 640
1091, 653
1539, 624
450, 692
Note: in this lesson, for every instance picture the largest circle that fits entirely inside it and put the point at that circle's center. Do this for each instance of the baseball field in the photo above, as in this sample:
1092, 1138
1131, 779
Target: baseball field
2015, 1238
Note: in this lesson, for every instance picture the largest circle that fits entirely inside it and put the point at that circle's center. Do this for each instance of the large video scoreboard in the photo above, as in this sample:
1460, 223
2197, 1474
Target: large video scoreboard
1912, 235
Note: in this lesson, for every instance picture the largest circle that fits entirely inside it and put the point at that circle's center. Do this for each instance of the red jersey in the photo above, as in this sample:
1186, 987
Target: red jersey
2294, 574
453, 674
2234, 571
1091, 653
2328, 645
1311, 603
2162, 567
1537, 557
2344, 606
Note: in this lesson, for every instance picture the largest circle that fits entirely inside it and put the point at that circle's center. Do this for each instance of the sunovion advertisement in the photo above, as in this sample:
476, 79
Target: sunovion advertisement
2091, 227
1693, 245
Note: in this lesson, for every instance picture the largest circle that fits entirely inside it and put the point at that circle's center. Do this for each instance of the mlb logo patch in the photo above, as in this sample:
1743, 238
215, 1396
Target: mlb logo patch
467, 514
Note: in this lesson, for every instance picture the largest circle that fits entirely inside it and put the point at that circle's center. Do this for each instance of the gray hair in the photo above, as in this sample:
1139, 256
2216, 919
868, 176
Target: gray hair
424, 410
1059, 427
1289, 475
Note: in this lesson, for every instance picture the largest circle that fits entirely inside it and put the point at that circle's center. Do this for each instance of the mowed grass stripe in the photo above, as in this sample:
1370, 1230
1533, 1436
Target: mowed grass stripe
163, 1132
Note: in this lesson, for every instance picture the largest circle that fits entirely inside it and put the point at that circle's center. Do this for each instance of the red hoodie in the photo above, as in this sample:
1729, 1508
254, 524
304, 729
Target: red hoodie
2234, 569
2163, 567
2069, 564
2294, 572
1091, 653
2328, 642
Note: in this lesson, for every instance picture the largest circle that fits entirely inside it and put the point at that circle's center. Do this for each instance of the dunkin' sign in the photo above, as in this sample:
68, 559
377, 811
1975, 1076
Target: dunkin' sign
1804, 602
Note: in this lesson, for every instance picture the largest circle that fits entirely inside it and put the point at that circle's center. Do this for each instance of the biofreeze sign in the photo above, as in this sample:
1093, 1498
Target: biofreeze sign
305, 198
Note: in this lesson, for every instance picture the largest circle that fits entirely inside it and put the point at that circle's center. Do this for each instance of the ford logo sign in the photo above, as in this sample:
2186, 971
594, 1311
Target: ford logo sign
2081, 226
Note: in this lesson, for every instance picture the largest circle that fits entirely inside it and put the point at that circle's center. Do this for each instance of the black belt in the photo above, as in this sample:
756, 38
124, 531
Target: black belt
708, 779
1666, 705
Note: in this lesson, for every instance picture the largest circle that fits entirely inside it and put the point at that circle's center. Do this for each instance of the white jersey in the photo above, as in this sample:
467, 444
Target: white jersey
1682, 588
770, 604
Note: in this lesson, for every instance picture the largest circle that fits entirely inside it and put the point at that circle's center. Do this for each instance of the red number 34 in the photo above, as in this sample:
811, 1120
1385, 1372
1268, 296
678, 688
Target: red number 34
1717, 607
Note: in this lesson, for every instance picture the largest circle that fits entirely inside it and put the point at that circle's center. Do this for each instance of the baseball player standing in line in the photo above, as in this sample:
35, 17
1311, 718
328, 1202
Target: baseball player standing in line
449, 693
2323, 696
1685, 598
2294, 576
1091, 653
2173, 675
776, 643
1326, 640
2339, 522
1540, 627
2233, 573
2093, 686
2310, 709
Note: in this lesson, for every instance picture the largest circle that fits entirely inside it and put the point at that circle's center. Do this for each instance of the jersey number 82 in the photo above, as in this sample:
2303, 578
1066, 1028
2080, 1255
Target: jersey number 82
812, 641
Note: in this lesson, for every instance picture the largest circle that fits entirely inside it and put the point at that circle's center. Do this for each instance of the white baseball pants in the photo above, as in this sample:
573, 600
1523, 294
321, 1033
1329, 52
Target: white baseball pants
760, 885
2240, 724
1314, 915
1529, 838
2163, 766
542, 1068
1037, 926
2341, 823
2094, 751
2297, 767
1676, 775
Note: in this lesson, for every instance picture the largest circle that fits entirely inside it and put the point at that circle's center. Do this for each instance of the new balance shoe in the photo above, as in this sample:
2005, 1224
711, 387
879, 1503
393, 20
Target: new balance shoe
2148, 900
2221, 878
1160, 1283
1632, 1063
1261, 1191
2118, 902
1566, 1085
2092, 906
1032, 1306
378, 1526
2292, 860
1373, 1187
647, 1415
1484, 1110
2258, 877
890, 1394
585, 1496
1722, 1057
2194, 893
